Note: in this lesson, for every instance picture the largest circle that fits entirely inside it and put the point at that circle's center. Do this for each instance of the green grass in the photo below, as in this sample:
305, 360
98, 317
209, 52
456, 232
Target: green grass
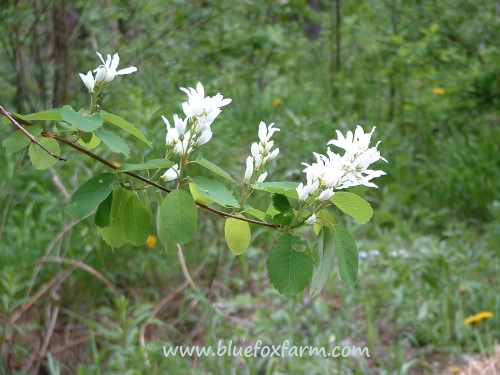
432, 247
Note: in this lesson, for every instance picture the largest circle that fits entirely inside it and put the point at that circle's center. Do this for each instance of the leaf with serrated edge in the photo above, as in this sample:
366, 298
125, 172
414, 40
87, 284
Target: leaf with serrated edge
90, 194
237, 234
125, 125
214, 168
289, 271
114, 234
353, 205
347, 255
136, 221
39, 157
325, 254
18, 140
150, 164
113, 141
215, 191
179, 217
81, 120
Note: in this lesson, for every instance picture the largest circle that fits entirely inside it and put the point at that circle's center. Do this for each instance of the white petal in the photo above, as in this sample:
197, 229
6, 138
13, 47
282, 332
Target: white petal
311, 219
262, 177
130, 69
249, 170
114, 62
100, 56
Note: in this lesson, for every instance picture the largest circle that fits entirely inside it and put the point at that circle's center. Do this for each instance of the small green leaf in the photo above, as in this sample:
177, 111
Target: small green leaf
215, 191
353, 205
258, 214
214, 168
103, 214
114, 234
285, 188
289, 270
39, 157
347, 255
125, 125
325, 255
81, 120
136, 221
151, 164
179, 217
237, 234
18, 140
197, 196
90, 194
90, 141
48, 115
113, 141
281, 203
323, 219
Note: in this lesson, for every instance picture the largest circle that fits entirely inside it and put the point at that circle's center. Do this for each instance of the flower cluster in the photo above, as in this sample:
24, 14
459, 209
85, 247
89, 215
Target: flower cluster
106, 72
261, 152
479, 317
332, 172
195, 129
200, 112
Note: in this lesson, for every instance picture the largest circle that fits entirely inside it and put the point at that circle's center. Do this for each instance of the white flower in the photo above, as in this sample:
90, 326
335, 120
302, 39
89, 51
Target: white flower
173, 136
262, 177
200, 106
204, 137
265, 134
326, 194
302, 192
171, 173
180, 125
107, 71
311, 220
88, 80
249, 170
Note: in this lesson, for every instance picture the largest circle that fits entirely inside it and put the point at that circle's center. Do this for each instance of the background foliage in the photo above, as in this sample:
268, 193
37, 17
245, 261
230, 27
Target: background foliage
425, 73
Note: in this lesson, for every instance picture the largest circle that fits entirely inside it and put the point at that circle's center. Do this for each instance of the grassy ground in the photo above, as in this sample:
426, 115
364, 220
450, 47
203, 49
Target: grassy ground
429, 255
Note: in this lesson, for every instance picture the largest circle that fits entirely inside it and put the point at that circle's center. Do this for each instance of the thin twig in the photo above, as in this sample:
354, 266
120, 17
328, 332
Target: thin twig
107, 163
46, 341
76, 263
25, 306
159, 306
28, 134
184, 268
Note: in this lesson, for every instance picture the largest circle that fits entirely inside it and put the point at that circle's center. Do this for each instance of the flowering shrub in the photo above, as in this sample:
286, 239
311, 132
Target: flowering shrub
122, 216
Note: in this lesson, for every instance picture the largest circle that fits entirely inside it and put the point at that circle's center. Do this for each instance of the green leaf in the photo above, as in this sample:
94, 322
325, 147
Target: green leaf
18, 140
103, 214
81, 120
289, 270
323, 219
136, 221
258, 214
90, 194
90, 141
179, 217
353, 205
48, 115
197, 195
39, 157
281, 203
325, 254
347, 254
151, 164
285, 188
114, 234
214, 168
125, 125
215, 191
237, 234
114, 142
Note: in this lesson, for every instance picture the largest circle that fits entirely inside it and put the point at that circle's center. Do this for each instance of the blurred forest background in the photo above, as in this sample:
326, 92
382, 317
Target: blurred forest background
426, 73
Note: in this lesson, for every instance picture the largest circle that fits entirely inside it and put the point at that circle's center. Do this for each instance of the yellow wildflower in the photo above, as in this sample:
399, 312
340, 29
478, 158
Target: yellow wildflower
151, 241
479, 317
438, 91
277, 102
